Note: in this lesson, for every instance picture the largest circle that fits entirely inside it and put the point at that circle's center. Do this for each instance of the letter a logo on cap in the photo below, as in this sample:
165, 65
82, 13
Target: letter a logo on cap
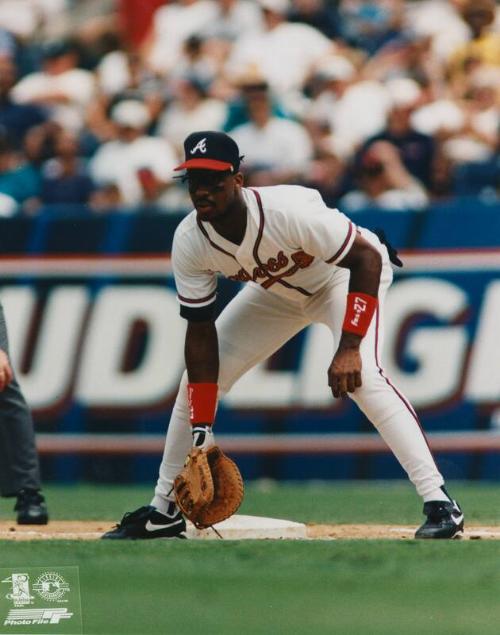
210, 150
201, 146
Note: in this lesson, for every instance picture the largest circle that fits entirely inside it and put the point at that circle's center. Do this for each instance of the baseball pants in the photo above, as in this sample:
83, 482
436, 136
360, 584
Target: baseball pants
256, 323
19, 467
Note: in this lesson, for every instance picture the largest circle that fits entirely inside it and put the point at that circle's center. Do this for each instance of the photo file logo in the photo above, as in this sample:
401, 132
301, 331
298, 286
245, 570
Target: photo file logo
29, 617
40, 600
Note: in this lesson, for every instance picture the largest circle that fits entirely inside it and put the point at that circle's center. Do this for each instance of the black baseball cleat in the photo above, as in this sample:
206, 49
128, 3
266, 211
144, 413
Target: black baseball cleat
147, 522
444, 520
31, 508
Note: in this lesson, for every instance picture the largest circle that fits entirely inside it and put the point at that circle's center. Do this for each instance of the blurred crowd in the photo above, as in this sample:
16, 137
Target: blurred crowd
393, 104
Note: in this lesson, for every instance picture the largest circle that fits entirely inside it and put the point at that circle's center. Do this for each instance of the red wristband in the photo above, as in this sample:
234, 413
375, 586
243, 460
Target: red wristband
202, 400
359, 312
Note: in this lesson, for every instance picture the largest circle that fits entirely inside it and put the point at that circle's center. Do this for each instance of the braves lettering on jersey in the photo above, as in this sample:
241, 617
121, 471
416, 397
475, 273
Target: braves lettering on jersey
291, 241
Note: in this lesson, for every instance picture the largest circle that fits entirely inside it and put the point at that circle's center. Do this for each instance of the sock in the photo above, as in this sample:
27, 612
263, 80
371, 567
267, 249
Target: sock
163, 505
439, 494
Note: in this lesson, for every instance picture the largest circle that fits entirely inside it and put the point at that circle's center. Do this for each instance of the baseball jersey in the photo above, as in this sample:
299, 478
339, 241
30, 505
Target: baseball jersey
291, 245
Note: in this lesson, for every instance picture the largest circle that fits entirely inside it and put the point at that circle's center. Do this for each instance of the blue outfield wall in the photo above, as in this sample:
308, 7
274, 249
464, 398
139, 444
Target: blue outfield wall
97, 341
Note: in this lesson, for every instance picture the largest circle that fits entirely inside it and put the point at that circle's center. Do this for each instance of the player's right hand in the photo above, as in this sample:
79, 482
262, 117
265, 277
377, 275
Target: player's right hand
344, 374
203, 437
6, 373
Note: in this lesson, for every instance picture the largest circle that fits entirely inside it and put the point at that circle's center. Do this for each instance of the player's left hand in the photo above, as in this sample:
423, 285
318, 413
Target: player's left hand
210, 488
344, 374
203, 437
6, 373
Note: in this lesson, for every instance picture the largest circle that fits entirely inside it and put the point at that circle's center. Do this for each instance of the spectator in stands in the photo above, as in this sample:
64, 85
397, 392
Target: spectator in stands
483, 45
191, 109
354, 108
327, 172
466, 129
276, 150
97, 27
39, 143
198, 59
416, 149
473, 149
284, 54
15, 119
319, 14
61, 86
19, 180
233, 20
327, 65
384, 183
327, 83
482, 112
409, 57
237, 110
121, 75
137, 166
31, 20
426, 18
369, 24
173, 23
65, 179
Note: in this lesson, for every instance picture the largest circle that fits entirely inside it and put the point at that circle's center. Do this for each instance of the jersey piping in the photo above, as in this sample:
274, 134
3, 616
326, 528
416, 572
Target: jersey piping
337, 255
272, 279
198, 300
214, 245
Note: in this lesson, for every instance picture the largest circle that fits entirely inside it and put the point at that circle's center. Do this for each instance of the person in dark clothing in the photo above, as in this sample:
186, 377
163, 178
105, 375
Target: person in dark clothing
417, 150
19, 468
65, 179
15, 119
319, 14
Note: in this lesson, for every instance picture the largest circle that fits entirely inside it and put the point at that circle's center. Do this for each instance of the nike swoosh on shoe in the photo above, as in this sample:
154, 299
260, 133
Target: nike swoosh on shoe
151, 527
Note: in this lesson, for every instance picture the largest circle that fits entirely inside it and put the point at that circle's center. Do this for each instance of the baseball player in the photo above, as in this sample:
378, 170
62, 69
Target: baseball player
19, 469
302, 263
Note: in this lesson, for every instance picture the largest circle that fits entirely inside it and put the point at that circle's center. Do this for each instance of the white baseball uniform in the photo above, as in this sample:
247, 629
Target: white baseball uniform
288, 259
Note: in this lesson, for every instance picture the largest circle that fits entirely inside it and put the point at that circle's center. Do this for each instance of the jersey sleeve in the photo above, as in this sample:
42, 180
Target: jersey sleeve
196, 286
321, 231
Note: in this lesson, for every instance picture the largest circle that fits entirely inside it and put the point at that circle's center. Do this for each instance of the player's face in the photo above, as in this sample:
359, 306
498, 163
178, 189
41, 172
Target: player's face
212, 192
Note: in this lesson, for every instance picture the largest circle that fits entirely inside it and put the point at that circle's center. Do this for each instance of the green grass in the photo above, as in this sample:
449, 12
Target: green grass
267, 587
372, 502
280, 587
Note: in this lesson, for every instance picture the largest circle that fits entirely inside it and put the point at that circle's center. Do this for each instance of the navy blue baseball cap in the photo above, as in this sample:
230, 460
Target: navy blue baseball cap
210, 150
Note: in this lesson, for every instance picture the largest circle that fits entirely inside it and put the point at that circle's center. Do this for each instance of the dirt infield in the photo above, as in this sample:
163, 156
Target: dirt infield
92, 530
55, 530
392, 532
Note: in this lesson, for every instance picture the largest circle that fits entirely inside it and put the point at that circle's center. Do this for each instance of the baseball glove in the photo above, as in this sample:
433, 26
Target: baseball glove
210, 488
